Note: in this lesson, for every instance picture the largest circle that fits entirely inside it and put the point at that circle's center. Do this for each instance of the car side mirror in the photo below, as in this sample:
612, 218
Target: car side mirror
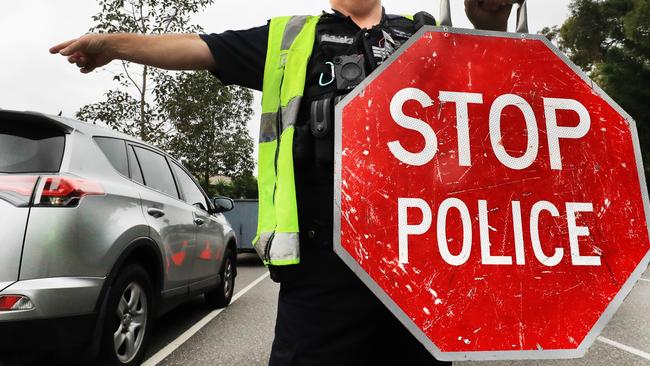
223, 204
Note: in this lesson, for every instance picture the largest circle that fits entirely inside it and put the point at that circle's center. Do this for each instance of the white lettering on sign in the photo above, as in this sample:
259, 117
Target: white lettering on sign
443, 244
484, 231
405, 229
538, 207
574, 232
519, 233
431, 147
555, 132
462, 101
496, 111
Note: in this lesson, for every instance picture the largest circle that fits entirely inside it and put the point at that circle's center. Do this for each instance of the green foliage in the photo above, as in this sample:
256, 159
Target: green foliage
241, 187
244, 186
209, 124
131, 107
119, 109
192, 115
147, 16
610, 40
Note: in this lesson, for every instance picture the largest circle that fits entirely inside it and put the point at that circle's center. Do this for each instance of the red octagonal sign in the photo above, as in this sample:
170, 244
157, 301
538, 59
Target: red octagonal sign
490, 195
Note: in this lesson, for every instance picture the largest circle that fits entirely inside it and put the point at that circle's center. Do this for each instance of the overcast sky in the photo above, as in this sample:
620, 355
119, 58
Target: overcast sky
32, 79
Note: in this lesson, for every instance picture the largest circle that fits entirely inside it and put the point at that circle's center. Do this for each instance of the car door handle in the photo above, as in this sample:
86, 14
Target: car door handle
156, 212
199, 221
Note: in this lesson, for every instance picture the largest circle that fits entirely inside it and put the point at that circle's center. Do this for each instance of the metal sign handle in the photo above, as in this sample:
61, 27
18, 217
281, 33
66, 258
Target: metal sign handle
522, 17
522, 14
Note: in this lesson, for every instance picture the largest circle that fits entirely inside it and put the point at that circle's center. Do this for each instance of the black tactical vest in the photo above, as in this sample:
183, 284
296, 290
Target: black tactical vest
337, 37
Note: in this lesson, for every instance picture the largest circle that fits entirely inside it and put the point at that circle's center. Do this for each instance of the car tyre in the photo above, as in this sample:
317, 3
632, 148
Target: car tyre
128, 319
220, 297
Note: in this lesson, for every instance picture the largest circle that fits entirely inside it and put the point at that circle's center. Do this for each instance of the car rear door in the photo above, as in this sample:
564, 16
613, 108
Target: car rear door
172, 222
15, 194
209, 231
29, 146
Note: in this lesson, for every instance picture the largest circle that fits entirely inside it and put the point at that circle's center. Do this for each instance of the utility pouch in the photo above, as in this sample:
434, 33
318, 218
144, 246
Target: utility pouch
321, 117
321, 125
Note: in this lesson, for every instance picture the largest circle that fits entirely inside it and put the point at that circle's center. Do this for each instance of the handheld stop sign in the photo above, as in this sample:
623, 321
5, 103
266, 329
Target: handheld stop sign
491, 195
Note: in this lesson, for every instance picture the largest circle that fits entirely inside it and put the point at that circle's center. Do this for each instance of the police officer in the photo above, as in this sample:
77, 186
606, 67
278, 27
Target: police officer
303, 65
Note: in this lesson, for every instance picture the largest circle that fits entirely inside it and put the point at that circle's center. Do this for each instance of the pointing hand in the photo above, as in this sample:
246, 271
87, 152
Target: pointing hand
87, 52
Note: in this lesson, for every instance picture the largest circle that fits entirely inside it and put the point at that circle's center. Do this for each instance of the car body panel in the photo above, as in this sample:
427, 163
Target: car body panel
84, 240
5, 284
175, 233
69, 242
12, 226
55, 297
210, 245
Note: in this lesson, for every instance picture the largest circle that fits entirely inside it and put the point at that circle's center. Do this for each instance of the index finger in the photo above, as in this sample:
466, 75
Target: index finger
60, 46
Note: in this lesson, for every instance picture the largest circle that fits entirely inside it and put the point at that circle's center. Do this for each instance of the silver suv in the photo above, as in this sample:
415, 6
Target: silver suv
101, 233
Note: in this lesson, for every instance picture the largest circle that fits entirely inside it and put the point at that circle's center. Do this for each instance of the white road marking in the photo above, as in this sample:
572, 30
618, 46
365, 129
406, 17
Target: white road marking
625, 348
173, 345
645, 279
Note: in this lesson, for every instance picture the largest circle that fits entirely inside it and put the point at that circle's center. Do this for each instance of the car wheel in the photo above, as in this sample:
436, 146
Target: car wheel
128, 319
220, 297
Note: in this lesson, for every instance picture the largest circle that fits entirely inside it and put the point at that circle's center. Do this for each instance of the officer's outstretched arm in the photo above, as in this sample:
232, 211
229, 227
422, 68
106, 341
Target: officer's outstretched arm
166, 51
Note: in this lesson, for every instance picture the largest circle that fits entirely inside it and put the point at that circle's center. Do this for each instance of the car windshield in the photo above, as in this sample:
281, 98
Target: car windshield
25, 149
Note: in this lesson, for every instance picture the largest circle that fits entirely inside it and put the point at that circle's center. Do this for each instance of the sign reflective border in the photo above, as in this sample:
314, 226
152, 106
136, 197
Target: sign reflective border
491, 195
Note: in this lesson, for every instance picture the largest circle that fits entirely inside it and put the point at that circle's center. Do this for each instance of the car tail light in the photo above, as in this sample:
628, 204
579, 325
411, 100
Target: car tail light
17, 189
15, 302
61, 191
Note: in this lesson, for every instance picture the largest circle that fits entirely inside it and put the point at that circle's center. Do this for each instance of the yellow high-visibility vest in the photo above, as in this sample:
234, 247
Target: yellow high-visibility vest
290, 45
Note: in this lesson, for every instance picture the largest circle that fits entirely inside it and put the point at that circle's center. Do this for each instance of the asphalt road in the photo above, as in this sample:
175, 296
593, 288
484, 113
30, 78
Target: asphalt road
242, 333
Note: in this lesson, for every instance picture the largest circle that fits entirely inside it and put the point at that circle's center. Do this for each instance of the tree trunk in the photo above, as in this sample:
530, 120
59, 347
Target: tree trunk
143, 94
206, 186
206, 161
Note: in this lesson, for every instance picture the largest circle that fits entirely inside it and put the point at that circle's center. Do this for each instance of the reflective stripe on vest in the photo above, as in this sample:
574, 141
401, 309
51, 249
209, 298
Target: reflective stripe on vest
290, 45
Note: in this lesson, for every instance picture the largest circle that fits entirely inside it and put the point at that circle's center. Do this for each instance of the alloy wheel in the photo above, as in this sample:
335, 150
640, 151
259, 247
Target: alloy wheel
228, 277
131, 322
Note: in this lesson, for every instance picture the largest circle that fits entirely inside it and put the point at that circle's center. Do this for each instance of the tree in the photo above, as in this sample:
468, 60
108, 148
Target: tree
191, 114
244, 186
209, 125
133, 107
610, 40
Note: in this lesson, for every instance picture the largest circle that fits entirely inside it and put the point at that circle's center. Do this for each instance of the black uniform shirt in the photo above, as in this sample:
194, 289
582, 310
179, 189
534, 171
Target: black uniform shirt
240, 58
241, 54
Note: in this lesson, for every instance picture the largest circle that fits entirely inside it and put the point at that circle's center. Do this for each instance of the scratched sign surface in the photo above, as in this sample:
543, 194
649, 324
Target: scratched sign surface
490, 195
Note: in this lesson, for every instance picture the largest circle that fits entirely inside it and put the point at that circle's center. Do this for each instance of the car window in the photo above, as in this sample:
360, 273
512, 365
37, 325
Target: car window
156, 172
115, 151
134, 166
25, 149
191, 191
